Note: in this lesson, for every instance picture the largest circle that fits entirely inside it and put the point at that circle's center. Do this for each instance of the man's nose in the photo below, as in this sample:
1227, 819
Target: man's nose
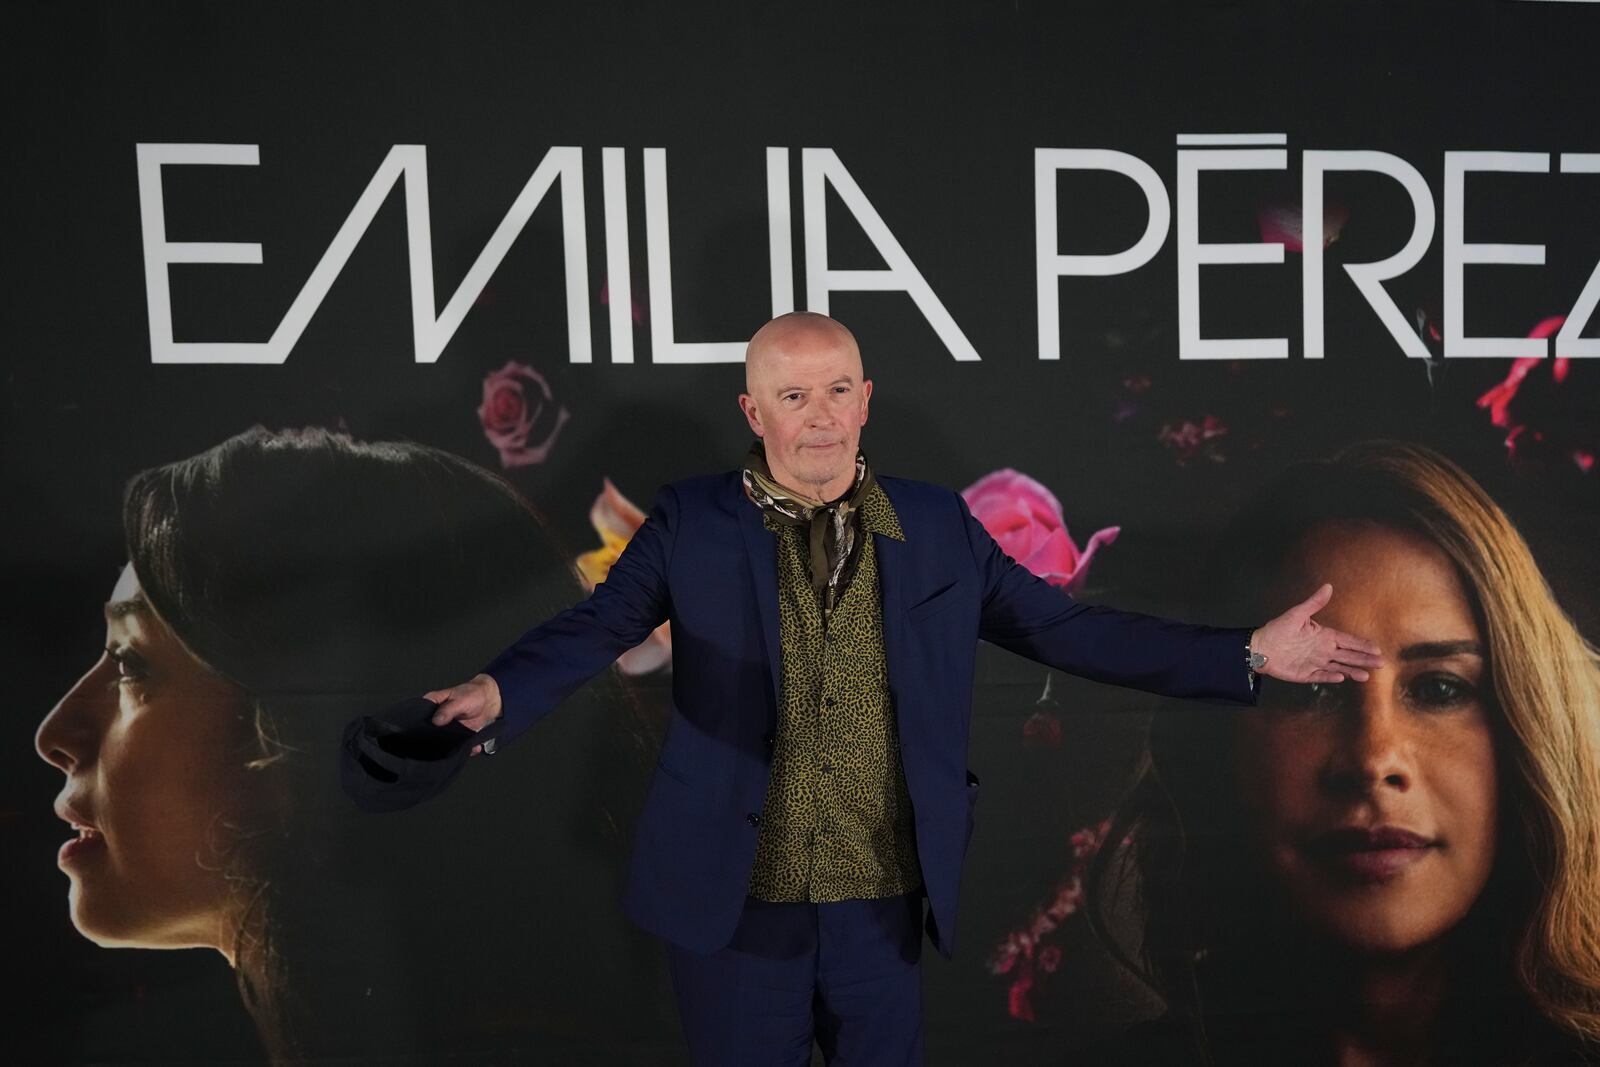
68, 735
818, 416
1373, 750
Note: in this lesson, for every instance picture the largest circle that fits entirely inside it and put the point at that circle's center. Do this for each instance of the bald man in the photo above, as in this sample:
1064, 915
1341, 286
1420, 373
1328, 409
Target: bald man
812, 805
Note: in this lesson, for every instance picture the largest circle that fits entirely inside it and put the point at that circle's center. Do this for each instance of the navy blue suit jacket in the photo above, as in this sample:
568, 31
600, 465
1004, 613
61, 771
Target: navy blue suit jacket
705, 560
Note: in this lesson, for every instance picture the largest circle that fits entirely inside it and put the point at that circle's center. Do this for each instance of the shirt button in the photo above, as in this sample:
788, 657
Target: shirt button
826, 767
828, 702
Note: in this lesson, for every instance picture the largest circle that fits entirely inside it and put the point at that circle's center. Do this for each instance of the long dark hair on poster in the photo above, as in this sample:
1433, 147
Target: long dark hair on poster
324, 577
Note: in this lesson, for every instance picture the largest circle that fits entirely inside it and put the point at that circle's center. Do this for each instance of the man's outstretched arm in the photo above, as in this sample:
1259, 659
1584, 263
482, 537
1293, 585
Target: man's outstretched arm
1027, 615
545, 665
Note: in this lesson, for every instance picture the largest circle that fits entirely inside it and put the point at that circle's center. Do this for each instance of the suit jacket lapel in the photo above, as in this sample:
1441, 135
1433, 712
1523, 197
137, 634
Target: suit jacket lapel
762, 554
892, 577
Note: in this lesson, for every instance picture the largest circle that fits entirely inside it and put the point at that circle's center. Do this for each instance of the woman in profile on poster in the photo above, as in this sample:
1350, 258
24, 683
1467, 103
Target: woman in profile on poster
1400, 871
277, 585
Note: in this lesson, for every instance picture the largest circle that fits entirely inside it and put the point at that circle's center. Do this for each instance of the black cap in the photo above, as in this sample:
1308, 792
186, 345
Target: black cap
397, 758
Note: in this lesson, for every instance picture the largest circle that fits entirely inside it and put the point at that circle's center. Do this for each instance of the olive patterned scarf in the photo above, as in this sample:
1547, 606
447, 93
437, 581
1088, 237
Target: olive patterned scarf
834, 527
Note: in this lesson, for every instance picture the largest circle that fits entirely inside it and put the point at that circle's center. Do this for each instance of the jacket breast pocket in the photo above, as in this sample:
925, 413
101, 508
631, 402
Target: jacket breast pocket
941, 600
679, 776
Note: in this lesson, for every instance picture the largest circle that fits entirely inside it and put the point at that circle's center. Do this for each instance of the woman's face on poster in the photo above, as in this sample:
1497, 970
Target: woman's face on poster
1374, 805
151, 743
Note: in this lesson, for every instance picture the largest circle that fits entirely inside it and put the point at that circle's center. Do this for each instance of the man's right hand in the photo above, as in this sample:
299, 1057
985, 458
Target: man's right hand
474, 703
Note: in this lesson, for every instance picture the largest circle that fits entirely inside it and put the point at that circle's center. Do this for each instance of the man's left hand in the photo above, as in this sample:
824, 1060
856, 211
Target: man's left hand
1299, 649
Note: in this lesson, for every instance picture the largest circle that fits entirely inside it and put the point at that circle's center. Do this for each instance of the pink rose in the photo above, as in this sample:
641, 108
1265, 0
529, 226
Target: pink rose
1025, 519
518, 408
616, 518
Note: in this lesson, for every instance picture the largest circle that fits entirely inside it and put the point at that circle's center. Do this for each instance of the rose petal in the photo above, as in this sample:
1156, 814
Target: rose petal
614, 513
1010, 484
512, 456
1055, 558
1025, 519
1018, 1005
1011, 528
1499, 397
1097, 540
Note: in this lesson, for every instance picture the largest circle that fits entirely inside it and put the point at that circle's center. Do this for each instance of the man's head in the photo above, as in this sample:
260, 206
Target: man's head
806, 398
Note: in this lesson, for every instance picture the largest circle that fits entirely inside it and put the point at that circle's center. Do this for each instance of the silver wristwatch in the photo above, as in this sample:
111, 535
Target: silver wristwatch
1253, 660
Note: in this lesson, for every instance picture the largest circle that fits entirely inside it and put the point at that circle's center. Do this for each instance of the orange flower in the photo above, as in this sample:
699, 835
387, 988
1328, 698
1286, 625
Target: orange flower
616, 518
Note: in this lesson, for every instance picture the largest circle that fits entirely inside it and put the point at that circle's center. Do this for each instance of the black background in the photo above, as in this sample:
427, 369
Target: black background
935, 109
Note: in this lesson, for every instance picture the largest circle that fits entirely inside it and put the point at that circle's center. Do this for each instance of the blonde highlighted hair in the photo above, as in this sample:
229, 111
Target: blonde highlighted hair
1188, 864
1547, 681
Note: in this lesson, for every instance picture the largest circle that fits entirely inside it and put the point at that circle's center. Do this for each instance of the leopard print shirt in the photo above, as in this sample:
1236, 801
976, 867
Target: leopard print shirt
837, 823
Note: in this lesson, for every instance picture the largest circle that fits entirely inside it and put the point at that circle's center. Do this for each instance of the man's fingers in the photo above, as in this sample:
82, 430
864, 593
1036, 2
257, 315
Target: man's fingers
1355, 642
453, 708
1353, 658
466, 704
1325, 675
1318, 600
1352, 651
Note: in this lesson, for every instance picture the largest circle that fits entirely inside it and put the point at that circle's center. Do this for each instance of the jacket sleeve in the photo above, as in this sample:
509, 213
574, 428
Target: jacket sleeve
548, 663
1027, 615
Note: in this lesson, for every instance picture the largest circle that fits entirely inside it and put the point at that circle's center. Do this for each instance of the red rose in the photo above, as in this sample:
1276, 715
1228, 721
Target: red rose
519, 415
1042, 730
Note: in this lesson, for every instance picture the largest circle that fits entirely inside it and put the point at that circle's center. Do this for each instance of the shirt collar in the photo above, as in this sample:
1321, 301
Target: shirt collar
876, 512
878, 515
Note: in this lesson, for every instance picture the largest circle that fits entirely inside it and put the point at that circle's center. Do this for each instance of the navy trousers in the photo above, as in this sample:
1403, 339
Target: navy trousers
844, 975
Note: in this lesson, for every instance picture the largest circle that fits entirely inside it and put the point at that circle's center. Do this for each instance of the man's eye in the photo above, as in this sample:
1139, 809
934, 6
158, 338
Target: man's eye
1437, 690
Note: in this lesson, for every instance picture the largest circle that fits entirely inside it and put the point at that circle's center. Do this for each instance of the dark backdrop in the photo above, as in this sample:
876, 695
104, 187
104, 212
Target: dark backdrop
935, 110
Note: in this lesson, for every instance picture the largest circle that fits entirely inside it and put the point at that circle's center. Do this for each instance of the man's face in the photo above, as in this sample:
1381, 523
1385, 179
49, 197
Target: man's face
807, 402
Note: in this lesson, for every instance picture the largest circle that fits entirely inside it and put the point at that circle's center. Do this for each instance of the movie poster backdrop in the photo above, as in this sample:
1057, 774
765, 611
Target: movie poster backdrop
348, 342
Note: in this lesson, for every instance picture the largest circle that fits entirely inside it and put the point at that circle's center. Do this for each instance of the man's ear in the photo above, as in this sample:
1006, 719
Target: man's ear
747, 404
866, 397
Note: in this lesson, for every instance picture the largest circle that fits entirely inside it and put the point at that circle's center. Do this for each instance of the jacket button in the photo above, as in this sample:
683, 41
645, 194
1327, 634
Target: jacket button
753, 819
769, 740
